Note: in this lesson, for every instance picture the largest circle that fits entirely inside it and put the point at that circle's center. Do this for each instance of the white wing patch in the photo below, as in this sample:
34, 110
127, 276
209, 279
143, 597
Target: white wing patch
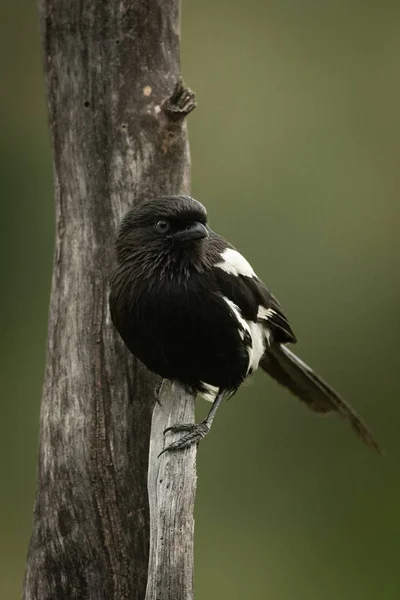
257, 333
238, 314
235, 264
265, 313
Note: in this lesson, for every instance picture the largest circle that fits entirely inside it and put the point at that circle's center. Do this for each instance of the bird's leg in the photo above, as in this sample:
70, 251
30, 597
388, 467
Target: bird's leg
195, 431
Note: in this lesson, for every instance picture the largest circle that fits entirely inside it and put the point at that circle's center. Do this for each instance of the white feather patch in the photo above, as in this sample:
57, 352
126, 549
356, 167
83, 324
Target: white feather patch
257, 333
235, 264
238, 314
210, 392
265, 313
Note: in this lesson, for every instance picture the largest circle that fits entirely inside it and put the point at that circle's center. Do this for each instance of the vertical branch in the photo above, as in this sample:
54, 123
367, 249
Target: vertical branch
172, 488
116, 113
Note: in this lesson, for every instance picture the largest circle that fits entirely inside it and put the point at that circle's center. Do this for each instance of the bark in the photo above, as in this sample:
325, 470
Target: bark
116, 111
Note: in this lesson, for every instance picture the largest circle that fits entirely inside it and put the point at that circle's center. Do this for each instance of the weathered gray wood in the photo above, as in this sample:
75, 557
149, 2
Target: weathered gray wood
118, 135
172, 489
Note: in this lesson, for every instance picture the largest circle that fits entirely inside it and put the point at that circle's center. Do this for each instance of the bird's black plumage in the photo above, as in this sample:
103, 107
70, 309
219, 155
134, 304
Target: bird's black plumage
191, 308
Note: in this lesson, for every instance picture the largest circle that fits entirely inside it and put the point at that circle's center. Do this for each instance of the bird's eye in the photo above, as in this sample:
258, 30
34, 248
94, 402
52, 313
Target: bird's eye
162, 226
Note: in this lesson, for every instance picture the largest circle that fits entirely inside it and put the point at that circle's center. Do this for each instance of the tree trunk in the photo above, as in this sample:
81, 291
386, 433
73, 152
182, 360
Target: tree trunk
117, 113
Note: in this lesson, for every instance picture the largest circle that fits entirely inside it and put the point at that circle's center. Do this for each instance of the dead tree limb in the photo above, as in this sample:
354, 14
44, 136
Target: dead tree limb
116, 111
172, 489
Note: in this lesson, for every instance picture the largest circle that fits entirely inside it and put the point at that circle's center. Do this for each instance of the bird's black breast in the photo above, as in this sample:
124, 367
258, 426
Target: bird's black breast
184, 330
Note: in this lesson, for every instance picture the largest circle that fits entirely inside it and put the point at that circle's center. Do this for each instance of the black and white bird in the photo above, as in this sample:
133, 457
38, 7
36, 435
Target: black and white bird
190, 307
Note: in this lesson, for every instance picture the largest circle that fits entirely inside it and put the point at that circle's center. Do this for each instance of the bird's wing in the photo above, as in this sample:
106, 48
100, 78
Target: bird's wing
275, 319
237, 281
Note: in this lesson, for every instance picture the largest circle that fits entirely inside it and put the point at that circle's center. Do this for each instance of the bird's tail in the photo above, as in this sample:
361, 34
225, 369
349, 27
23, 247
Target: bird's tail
291, 372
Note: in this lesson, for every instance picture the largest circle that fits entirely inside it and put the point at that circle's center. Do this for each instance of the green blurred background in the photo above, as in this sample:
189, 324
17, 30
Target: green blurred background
295, 149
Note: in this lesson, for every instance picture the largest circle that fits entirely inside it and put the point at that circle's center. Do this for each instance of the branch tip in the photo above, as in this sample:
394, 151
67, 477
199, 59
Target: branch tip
181, 102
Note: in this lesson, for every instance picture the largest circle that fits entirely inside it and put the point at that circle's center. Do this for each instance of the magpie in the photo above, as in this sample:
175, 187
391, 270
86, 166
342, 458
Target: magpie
190, 307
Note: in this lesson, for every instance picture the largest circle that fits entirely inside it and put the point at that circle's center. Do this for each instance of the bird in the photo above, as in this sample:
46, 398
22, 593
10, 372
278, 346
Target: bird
191, 308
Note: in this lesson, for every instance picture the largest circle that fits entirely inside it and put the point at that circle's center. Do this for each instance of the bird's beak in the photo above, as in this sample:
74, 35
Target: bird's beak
194, 231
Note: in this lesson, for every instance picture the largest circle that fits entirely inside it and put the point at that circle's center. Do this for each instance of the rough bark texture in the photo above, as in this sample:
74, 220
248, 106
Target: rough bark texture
172, 489
118, 135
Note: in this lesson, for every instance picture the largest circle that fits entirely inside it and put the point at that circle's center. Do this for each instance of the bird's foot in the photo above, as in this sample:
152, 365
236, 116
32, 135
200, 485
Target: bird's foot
194, 433
179, 427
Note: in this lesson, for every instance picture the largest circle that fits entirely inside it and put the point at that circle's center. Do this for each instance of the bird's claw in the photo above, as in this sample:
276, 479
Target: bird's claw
181, 427
195, 433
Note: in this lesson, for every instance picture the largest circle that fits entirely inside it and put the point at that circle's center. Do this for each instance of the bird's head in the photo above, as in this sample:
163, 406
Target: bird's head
165, 234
